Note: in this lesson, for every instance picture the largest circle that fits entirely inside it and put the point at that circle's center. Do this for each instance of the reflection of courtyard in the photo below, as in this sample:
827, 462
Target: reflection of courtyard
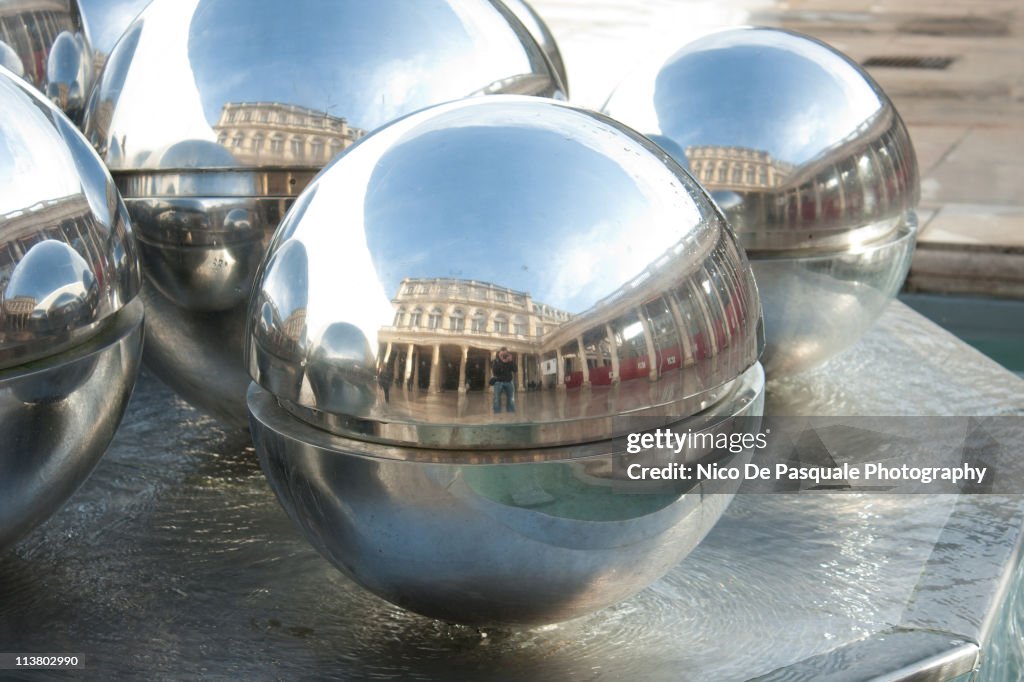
674, 394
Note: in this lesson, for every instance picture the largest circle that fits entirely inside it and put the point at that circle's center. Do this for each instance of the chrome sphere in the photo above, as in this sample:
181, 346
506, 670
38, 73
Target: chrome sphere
811, 164
70, 327
44, 42
496, 281
208, 178
495, 537
533, 22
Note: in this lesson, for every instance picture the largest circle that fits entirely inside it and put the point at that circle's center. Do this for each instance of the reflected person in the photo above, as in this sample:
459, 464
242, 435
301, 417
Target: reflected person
503, 372
386, 378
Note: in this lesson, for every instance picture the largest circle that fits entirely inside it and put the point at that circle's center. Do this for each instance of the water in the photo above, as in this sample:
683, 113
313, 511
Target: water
993, 326
176, 561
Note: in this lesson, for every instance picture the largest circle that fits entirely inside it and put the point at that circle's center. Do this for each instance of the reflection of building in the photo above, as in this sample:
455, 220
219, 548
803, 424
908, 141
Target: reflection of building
30, 28
863, 177
274, 133
446, 332
736, 167
69, 220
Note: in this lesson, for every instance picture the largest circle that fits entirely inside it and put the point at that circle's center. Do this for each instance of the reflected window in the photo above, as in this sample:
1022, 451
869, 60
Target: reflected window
316, 149
477, 292
722, 173
277, 144
457, 321
737, 174
415, 317
750, 175
257, 142
520, 326
236, 141
708, 173
246, 115
222, 139
479, 321
540, 330
264, 116
298, 148
501, 324
434, 321
500, 296
336, 146
400, 317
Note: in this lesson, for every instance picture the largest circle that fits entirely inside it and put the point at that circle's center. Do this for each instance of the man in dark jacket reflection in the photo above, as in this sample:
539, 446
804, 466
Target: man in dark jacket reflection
503, 372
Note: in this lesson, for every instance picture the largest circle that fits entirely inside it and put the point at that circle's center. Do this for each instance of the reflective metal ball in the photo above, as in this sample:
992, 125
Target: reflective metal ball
70, 324
213, 116
810, 162
44, 42
497, 281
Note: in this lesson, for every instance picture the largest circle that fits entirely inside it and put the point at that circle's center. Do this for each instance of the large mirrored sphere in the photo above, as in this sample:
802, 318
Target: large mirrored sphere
70, 321
811, 164
43, 41
505, 247
497, 536
214, 114
452, 324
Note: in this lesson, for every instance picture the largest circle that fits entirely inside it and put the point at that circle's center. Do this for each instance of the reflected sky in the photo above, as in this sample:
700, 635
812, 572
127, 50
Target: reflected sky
106, 20
368, 63
562, 205
761, 90
27, 142
397, 46
568, 232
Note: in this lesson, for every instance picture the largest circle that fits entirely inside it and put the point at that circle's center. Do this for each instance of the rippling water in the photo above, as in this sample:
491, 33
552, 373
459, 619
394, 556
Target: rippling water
176, 559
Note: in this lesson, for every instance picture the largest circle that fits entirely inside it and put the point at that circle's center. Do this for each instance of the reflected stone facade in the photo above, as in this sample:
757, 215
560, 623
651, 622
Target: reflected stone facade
446, 332
30, 29
736, 167
67, 220
275, 133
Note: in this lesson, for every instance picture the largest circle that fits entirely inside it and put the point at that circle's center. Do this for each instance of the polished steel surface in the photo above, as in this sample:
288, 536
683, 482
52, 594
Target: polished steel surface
799, 146
819, 304
68, 260
58, 415
542, 34
514, 223
43, 41
545, 539
105, 21
812, 166
255, 116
